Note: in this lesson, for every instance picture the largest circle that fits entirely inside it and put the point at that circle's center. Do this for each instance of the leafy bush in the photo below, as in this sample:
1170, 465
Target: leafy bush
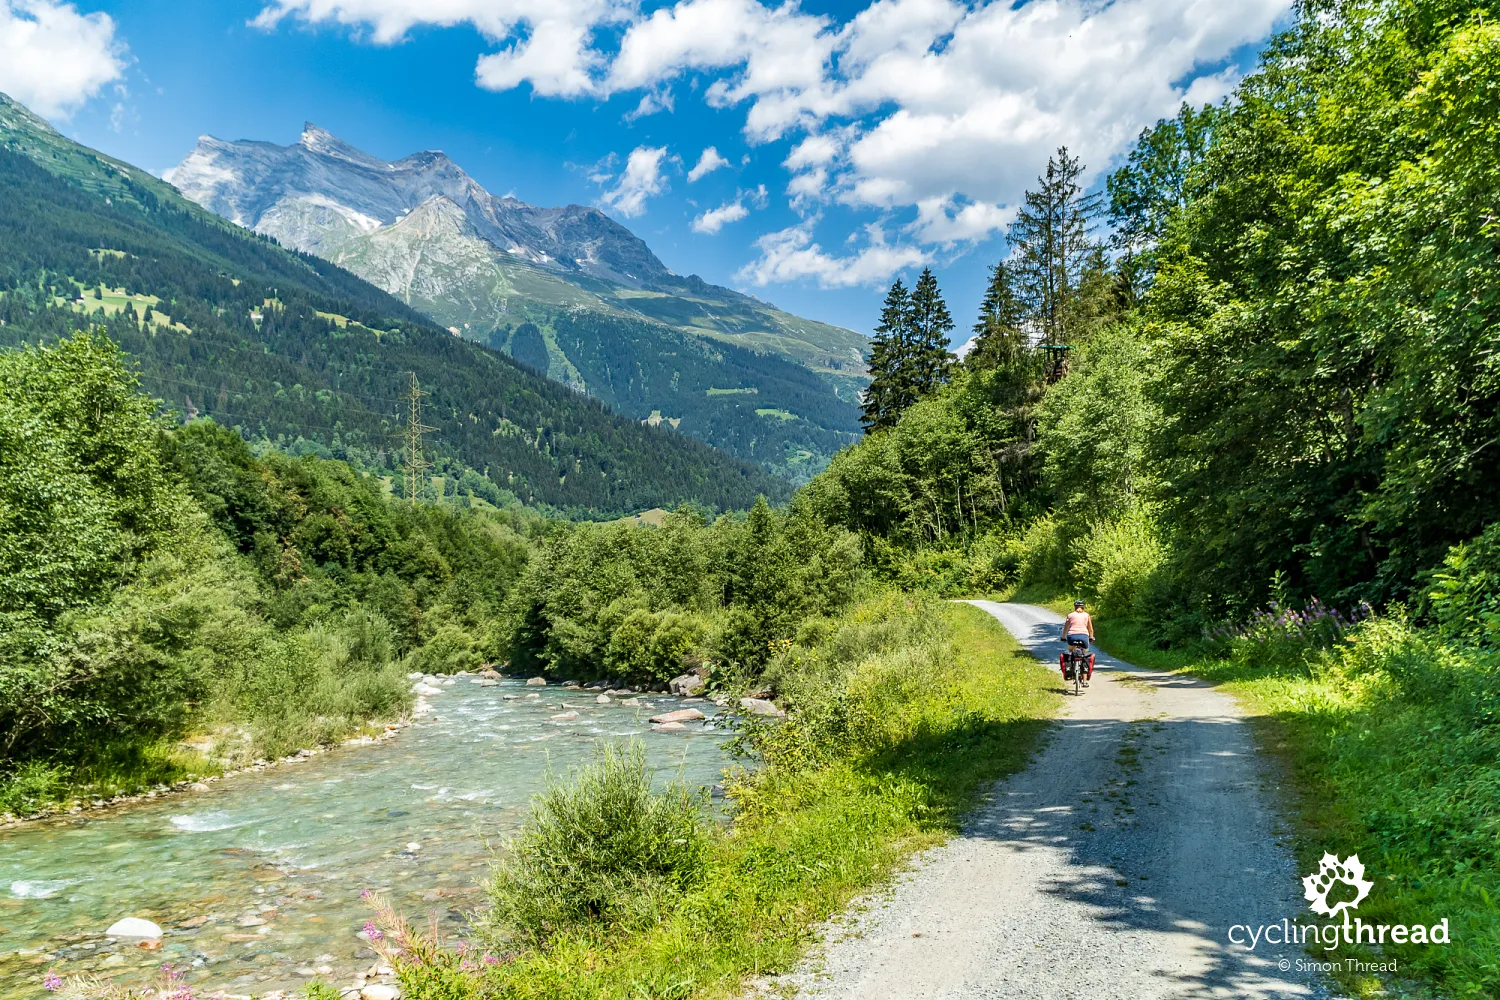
1116, 559
601, 851
1463, 597
653, 645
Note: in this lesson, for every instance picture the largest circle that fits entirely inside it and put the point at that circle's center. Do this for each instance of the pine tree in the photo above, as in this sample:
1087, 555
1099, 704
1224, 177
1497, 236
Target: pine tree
1054, 245
1000, 333
888, 350
928, 358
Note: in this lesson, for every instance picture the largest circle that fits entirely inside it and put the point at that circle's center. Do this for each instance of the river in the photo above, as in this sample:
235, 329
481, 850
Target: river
257, 881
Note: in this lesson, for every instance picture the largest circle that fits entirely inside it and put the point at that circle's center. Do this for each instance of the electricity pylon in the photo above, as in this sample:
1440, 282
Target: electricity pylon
415, 464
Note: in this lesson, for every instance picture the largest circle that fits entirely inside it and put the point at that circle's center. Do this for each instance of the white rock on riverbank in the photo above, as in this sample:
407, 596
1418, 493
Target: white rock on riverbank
133, 927
681, 715
760, 706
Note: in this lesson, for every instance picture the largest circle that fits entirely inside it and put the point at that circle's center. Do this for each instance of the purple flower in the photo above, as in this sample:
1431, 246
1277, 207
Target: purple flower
372, 932
364, 894
490, 959
53, 982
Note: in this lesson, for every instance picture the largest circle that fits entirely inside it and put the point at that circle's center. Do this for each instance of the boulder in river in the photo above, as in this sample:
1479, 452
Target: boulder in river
687, 685
681, 715
380, 991
490, 674
424, 689
760, 706
133, 927
565, 716
669, 727
603, 699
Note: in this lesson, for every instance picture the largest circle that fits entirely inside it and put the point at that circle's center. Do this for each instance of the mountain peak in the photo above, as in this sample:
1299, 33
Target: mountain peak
325, 143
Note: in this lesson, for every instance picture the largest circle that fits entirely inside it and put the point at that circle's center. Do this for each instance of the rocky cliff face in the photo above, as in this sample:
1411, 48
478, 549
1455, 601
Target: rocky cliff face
320, 193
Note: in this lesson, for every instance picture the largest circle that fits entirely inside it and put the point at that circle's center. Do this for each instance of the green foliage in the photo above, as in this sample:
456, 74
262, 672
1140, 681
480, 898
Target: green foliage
1055, 250
1160, 177
1464, 595
1328, 386
603, 849
1094, 426
1392, 738
648, 603
909, 358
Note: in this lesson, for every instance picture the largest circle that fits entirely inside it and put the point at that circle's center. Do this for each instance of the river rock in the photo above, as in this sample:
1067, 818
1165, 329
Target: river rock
490, 674
414, 676
449, 682
485, 682
669, 727
681, 715
133, 927
760, 706
424, 689
687, 685
603, 699
380, 991
536, 682
112, 961
565, 716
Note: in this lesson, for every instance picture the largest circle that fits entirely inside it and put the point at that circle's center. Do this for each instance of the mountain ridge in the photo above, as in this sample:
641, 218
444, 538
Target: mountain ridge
297, 352
495, 269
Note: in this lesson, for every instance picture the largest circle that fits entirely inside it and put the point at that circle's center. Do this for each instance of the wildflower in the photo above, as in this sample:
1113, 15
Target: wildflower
364, 894
53, 982
372, 932
489, 959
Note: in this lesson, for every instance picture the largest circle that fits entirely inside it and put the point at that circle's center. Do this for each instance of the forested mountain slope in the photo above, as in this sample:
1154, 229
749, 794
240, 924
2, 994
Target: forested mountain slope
290, 348
567, 290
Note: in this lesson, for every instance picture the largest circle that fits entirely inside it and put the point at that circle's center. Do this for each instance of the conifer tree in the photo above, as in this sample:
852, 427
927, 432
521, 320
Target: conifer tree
1054, 244
928, 358
1000, 333
888, 351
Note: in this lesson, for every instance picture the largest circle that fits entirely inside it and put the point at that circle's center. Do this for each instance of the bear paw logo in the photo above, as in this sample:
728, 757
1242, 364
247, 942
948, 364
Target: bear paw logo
1331, 871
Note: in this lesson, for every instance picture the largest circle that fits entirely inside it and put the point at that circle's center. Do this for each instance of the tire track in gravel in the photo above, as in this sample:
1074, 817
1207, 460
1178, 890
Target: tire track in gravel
1111, 867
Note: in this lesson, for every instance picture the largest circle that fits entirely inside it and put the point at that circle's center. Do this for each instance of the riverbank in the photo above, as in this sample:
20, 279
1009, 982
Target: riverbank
922, 707
257, 882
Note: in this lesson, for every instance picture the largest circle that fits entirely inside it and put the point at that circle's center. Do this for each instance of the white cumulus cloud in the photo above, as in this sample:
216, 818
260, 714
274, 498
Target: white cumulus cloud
934, 115
708, 162
715, 219
791, 255
642, 178
53, 58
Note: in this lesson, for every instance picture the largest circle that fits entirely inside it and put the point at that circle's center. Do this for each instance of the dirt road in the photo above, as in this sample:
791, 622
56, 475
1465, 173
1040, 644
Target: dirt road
1113, 866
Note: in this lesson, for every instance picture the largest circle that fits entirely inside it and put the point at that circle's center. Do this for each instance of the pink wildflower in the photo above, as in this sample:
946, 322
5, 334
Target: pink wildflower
372, 932
53, 982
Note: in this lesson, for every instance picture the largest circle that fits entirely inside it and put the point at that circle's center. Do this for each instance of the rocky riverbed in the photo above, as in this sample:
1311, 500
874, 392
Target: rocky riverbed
255, 880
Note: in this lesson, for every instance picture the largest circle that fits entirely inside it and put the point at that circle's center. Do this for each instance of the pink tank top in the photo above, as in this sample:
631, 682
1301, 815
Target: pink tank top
1078, 622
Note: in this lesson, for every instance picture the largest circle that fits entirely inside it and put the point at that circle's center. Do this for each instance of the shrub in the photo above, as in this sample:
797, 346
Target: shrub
1115, 559
1463, 598
653, 645
1046, 556
601, 851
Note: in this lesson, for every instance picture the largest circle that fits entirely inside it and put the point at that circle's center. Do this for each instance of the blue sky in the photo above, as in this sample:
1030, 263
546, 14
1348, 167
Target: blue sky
860, 140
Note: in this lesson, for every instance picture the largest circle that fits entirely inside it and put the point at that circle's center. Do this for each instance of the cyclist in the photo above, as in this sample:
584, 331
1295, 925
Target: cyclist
1078, 626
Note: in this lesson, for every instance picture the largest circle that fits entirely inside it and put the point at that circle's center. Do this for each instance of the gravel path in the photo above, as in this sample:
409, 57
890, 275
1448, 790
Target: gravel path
1113, 866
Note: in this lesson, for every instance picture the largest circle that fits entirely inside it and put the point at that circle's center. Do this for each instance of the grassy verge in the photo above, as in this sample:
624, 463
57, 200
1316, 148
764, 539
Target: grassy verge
834, 811
1392, 751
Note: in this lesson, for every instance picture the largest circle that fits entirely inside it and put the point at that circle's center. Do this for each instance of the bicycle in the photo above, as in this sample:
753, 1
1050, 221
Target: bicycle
1078, 662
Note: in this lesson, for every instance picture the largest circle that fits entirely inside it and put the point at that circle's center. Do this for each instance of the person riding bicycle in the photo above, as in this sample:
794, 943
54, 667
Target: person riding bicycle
1078, 627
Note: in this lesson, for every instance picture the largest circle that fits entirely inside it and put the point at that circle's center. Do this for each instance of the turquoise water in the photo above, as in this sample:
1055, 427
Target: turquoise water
269, 865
